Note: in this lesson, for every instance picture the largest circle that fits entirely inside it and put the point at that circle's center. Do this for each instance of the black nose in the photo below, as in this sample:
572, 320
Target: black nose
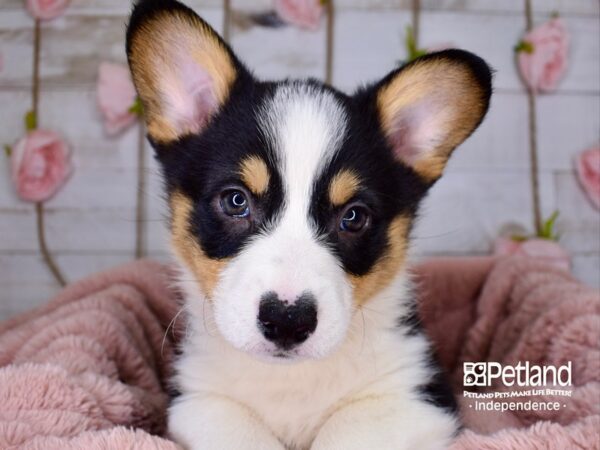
287, 325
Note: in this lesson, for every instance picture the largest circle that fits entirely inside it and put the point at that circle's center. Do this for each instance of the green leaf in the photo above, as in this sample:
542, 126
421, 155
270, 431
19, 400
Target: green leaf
137, 108
524, 46
519, 237
30, 121
8, 150
547, 231
412, 51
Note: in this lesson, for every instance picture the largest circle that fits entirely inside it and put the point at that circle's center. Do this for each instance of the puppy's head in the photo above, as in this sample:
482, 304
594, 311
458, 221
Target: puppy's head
291, 202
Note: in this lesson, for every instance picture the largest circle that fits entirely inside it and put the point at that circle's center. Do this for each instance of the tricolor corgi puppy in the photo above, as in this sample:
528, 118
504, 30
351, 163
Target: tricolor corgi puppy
291, 206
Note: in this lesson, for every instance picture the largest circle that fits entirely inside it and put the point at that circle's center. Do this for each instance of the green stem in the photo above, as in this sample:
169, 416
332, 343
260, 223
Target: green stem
41, 234
39, 207
533, 151
140, 213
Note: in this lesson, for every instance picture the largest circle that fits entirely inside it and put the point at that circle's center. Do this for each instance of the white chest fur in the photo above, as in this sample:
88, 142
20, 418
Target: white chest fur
294, 400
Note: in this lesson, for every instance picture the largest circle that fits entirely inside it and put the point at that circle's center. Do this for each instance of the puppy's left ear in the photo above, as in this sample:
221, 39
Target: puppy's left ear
431, 105
182, 70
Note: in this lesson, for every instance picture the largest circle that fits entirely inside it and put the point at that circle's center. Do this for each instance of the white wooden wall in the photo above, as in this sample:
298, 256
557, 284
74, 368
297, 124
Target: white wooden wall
90, 224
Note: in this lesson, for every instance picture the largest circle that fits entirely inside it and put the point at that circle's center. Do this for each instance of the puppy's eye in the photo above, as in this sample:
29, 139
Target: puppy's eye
234, 203
355, 219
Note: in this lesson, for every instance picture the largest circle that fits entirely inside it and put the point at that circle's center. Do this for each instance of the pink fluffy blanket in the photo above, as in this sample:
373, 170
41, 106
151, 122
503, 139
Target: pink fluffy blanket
89, 369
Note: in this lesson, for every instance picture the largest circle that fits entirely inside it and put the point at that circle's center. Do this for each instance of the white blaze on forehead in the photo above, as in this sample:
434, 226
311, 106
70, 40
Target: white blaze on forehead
307, 126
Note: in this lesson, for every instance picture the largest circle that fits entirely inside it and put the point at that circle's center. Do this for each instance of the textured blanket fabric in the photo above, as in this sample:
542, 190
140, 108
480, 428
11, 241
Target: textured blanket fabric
90, 368
506, 311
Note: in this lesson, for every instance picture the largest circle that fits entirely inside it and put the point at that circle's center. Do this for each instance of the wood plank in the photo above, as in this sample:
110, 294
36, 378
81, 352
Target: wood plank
465, 211
16, 45
493, 37
585, 268
367, 45
88, 187
77, 230
24, 268
21, 297
490, 36
13, 107
25, 281
567, 125
566, 7
100, 7
578, 223
105, 168
492, 146
74, 114
275, 53
514, 7
68, 58
583, 74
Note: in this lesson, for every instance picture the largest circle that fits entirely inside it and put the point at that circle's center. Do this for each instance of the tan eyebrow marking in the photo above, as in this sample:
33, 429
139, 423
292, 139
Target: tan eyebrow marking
255, 174
343, 186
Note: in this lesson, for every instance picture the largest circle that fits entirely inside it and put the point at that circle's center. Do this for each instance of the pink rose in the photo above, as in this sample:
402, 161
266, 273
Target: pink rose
545, 249
115, 94
302, 13
46, 9
587, 165
542, 56
40, 164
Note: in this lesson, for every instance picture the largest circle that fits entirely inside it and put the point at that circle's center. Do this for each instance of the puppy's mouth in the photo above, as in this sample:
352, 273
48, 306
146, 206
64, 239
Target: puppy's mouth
281, 356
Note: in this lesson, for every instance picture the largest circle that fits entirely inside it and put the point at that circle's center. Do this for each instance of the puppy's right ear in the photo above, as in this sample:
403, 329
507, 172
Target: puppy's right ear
182, 70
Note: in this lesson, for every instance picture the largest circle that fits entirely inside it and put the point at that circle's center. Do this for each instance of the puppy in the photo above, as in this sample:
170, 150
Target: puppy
291, 205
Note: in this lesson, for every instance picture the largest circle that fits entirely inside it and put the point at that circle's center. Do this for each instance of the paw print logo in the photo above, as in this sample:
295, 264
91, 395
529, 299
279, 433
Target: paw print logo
474, 374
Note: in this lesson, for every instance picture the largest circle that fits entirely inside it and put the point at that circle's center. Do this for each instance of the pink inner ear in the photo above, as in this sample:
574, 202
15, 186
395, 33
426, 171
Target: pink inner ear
402, 142
191, 98
416, 131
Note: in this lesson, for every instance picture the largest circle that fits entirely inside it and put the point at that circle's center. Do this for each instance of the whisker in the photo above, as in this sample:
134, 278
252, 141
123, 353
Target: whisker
171, 324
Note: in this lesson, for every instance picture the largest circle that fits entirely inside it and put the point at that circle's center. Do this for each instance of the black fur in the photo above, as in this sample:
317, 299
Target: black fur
411, 323
438, 390
389, 188
201, 166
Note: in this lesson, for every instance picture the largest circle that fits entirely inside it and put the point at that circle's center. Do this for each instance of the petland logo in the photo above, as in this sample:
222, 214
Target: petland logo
483, 374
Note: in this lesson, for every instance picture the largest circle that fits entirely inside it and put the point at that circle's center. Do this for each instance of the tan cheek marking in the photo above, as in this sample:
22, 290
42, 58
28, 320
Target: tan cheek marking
255, 174
153, 68
384, 270
444, 82
343, 186
206, 270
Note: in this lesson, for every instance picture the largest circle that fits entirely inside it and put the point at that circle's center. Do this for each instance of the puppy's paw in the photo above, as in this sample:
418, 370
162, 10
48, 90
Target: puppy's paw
211, 422
386, 423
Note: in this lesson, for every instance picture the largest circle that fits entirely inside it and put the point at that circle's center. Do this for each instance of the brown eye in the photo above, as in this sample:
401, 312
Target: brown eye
354, 220
235, 204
